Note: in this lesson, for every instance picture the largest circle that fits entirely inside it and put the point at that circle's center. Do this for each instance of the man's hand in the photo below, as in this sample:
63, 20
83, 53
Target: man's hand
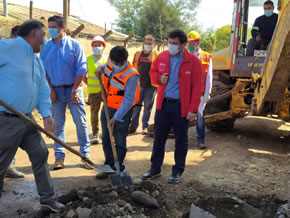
258, 38
112, 124
75, 98
164, 78
52, 96
49, 124
191, 116
99, 71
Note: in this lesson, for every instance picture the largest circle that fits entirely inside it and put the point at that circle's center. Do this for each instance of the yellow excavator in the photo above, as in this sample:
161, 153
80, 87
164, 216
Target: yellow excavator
256, 85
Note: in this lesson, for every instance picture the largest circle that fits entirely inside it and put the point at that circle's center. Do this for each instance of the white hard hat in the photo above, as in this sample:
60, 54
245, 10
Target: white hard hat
99, 39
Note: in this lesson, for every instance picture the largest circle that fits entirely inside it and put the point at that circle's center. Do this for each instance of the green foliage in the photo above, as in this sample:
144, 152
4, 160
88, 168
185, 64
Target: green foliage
156, 17
222, 36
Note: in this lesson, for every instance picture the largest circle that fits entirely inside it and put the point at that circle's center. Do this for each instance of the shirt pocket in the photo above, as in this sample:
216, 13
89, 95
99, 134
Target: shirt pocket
68, 57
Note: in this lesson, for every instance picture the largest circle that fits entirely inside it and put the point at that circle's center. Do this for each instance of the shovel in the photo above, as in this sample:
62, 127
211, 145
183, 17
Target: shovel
119, 178
99, 167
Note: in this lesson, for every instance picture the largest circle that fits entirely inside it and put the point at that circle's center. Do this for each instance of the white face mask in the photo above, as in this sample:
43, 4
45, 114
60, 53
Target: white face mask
147, 47
173, 49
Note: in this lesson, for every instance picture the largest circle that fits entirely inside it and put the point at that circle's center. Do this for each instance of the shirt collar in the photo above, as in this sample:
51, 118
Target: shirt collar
24, 43
197, 54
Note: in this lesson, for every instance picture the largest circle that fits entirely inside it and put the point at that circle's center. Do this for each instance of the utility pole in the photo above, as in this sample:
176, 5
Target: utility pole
5, 8
65, 11
160, 27
30, 9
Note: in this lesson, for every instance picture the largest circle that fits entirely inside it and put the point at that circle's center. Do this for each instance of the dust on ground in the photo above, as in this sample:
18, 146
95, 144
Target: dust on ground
248, 163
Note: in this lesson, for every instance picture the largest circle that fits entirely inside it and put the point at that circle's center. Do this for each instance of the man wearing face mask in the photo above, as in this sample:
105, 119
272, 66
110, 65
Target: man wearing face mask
193, 45
142, 62
121, 83
263, 29
178, 74
93, 84
66, 65
23, 86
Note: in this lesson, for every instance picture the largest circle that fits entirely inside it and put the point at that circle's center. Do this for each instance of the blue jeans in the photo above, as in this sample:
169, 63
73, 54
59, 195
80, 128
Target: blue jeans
200, 127
63, 98
170, 116
147, 95
120, 135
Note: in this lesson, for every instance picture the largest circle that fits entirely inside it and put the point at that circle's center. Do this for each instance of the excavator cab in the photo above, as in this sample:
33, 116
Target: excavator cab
244, 14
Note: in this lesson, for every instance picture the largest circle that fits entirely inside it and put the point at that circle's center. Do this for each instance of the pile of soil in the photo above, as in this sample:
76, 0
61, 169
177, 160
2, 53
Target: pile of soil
149, 199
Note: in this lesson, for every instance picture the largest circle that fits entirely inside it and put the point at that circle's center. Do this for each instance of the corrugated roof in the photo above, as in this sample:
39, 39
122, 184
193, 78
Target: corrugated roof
18, 13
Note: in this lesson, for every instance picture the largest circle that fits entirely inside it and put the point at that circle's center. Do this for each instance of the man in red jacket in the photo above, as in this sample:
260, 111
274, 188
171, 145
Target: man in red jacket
178, 74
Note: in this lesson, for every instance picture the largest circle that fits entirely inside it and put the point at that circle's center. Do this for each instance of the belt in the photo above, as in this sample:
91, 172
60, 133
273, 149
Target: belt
171, 100
64, 86
3, 113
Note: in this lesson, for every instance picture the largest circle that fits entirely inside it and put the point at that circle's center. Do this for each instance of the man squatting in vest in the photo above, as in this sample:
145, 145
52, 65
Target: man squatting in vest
193, 45
93, 84
178, 74
142, 62
121, 83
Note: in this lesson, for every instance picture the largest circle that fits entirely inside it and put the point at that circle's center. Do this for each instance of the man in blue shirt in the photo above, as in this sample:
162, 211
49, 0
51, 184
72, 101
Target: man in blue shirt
23, 86
66, 66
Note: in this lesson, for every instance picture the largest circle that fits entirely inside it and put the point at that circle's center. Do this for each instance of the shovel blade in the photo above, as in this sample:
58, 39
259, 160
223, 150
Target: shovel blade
120, 179
104, 168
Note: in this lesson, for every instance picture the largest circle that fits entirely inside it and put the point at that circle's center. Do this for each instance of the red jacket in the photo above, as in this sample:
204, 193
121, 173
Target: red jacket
190, 80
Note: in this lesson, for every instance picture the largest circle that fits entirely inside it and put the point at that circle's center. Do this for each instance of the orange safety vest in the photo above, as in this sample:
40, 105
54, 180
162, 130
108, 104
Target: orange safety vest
205, 58
115, 87
137, 58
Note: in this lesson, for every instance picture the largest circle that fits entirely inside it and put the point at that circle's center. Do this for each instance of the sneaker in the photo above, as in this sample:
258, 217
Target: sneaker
53, 205
13, 173
151, 175
86, 165
132, 129
201, 145
174, 178
95, 139
58, 164
145, 131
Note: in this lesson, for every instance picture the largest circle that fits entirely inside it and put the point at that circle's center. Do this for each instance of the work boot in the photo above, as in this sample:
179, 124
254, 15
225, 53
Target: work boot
132, 129
201, 145
86, 165
151, 174
53, 205
58, 164
95, 139
13, 173
174, 178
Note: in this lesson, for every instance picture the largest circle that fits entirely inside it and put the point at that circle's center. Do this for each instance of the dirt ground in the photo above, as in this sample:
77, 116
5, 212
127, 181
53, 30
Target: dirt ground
250, 161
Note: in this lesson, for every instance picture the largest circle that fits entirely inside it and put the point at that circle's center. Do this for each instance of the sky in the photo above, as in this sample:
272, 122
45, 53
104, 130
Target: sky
211, 13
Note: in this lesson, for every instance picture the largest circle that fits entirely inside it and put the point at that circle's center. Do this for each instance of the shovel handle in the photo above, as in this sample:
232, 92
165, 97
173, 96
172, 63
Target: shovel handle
115, 155
56, 139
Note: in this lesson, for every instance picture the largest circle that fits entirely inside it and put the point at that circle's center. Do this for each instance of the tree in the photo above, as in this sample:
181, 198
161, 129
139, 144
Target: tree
157, 17
223, 36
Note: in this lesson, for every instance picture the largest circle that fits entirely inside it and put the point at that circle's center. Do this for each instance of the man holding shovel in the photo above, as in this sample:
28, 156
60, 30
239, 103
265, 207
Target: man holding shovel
121, 84
23, 86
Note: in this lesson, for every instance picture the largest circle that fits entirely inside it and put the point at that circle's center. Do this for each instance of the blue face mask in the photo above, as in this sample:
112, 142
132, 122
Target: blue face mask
53, 33
148, 47
98, 50
268, 13
191, 48
42, 47
118, 68
173, 49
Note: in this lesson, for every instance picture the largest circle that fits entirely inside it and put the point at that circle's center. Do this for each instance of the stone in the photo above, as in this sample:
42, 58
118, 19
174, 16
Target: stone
83, 212
128, 207
81, 194
85, 198
113, 194
196, 212
148, 185
145, 199
70, 214
137, 181
155, 194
